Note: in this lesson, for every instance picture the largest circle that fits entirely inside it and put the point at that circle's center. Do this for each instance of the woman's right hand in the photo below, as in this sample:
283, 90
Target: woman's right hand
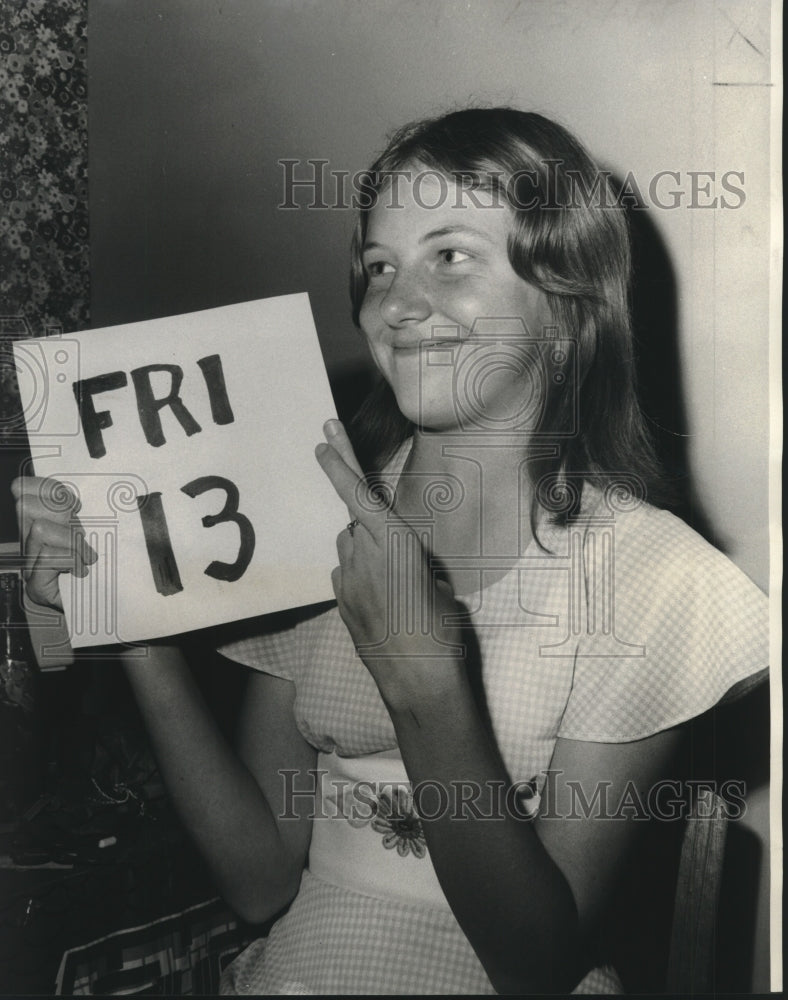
53, 540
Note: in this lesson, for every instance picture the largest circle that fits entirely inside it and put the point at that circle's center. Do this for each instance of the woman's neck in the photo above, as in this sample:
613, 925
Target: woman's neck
475, 494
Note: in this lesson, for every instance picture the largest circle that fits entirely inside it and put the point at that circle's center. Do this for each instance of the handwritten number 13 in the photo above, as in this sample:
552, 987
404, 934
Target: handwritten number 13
159, 545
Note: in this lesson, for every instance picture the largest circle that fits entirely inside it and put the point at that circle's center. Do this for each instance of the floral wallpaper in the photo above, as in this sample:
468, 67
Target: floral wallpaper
44, 252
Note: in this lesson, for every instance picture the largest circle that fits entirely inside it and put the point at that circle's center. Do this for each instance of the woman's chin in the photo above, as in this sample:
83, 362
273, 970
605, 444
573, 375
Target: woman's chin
427, 417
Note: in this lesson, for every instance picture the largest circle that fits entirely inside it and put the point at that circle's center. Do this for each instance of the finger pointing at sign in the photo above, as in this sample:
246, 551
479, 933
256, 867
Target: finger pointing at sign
383, 569
336, 435
340, 464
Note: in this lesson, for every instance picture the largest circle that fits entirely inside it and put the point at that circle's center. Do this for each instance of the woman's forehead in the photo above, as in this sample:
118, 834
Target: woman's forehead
422, 199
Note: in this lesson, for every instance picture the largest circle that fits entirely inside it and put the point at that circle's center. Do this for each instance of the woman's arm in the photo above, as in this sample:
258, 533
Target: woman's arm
231, 803
525, 893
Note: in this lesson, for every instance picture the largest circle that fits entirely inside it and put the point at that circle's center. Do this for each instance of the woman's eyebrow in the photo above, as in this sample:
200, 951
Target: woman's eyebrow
435, 234
455, 231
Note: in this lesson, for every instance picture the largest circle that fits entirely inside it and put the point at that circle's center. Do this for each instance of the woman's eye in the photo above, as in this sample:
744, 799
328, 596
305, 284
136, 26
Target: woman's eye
453, 256
377, 267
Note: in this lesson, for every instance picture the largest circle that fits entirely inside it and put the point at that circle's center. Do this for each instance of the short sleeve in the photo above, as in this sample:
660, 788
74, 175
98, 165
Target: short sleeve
270, 645
686, 629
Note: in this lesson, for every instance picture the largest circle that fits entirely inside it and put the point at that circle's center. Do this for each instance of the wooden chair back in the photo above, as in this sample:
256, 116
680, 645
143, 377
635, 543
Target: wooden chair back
693, 935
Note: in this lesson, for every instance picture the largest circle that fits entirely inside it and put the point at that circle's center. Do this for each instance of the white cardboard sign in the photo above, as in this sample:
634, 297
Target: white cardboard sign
190, 444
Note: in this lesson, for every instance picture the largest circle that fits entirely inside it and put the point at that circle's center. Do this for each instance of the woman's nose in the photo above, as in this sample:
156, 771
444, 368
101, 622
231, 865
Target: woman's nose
406, 300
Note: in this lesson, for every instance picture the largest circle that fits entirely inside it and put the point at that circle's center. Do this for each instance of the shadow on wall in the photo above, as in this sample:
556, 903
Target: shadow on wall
655, 323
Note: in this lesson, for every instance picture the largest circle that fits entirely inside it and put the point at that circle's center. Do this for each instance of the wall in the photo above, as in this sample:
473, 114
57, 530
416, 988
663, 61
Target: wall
193, 103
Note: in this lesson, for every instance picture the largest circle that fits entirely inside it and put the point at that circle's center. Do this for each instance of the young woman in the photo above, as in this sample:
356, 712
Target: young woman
428, 772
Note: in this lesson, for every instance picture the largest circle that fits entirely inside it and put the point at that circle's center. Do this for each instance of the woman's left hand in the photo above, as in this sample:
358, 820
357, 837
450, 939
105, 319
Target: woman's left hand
388, 595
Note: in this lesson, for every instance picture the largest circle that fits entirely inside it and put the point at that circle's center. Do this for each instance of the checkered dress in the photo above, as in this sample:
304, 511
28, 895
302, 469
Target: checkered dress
629, 625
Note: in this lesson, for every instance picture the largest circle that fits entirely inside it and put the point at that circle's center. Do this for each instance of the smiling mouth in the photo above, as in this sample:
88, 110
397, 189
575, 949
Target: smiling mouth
426, 345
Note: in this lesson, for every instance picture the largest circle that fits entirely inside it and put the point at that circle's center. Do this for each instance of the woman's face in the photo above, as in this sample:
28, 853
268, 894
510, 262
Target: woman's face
454, 330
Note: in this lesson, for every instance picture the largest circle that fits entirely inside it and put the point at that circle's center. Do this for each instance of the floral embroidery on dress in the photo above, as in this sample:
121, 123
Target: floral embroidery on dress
387, 809
396, 818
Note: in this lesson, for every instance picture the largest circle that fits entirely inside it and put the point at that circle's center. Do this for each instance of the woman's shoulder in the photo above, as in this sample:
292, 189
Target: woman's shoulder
652, 540
687, 628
